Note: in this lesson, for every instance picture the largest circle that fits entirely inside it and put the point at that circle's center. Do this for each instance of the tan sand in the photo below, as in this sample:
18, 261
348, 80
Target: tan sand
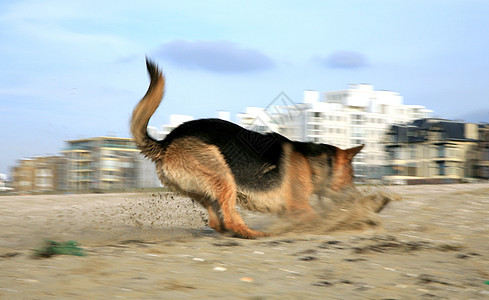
433, 244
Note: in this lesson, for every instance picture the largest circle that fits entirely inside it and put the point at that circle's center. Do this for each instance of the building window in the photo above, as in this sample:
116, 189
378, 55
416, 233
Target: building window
395, 154
390, 170
357, 119
441, 168
357, 132
441, 150
412, 150
411, 169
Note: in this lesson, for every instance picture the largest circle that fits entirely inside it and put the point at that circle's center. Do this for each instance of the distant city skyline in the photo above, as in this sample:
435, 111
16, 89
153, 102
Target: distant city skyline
76, 69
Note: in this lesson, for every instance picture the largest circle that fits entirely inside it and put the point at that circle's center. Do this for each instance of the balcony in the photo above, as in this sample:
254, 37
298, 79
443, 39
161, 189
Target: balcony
78, 149
110, 145
82, 170
449, 155
81, 179
111, 178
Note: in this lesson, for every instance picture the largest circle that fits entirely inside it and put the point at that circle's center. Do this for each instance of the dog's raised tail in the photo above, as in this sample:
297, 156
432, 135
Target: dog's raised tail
145, 109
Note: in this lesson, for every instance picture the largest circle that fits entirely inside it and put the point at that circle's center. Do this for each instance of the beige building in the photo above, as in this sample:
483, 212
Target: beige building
432, 151
39, 174
92, 164
101, 163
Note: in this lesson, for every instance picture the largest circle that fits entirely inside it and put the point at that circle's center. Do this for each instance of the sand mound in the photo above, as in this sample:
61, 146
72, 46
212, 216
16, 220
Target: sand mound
355, 210
163, 210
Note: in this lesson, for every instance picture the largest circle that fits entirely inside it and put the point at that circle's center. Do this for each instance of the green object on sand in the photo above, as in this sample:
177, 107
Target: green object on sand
52, 248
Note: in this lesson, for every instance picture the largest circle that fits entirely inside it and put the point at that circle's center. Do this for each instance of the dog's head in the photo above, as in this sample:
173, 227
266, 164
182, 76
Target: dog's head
343, 169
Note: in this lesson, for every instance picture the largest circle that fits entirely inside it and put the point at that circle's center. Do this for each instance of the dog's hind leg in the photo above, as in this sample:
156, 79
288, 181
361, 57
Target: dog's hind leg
198, 168
215, 221
223, 216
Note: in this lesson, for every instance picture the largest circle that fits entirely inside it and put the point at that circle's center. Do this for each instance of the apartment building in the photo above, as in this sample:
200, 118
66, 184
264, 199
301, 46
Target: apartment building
432, 151
346, 118
39, 174
101, 163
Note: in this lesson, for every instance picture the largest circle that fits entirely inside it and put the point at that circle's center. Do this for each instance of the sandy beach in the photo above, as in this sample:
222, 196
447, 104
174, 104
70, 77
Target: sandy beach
432, 244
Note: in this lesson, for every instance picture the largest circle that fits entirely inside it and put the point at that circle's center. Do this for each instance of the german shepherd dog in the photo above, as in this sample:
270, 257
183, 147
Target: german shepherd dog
220, 164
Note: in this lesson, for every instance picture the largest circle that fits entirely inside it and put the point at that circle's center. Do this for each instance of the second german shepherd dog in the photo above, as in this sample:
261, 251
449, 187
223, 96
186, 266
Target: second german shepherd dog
220, 164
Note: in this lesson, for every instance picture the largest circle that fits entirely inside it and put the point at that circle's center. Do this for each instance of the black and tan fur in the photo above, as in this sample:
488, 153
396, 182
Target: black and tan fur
220, 164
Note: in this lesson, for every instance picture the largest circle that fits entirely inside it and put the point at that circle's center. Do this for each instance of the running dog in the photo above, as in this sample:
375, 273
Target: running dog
220, 164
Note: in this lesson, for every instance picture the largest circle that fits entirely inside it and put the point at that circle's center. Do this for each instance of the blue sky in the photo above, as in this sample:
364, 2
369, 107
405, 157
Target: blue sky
73, 69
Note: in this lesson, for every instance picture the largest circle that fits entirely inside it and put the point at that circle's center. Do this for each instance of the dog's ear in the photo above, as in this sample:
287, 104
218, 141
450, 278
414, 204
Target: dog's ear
350, 153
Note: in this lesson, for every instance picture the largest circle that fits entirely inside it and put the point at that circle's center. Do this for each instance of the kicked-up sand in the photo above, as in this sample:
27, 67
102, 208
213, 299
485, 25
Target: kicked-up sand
428, 242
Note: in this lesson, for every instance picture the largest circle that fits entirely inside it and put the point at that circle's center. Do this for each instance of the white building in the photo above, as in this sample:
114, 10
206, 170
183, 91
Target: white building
347, 118
177, 120
3, 183
258, 119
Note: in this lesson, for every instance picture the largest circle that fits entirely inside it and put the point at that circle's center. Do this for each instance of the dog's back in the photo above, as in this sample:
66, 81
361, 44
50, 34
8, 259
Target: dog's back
253, 158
